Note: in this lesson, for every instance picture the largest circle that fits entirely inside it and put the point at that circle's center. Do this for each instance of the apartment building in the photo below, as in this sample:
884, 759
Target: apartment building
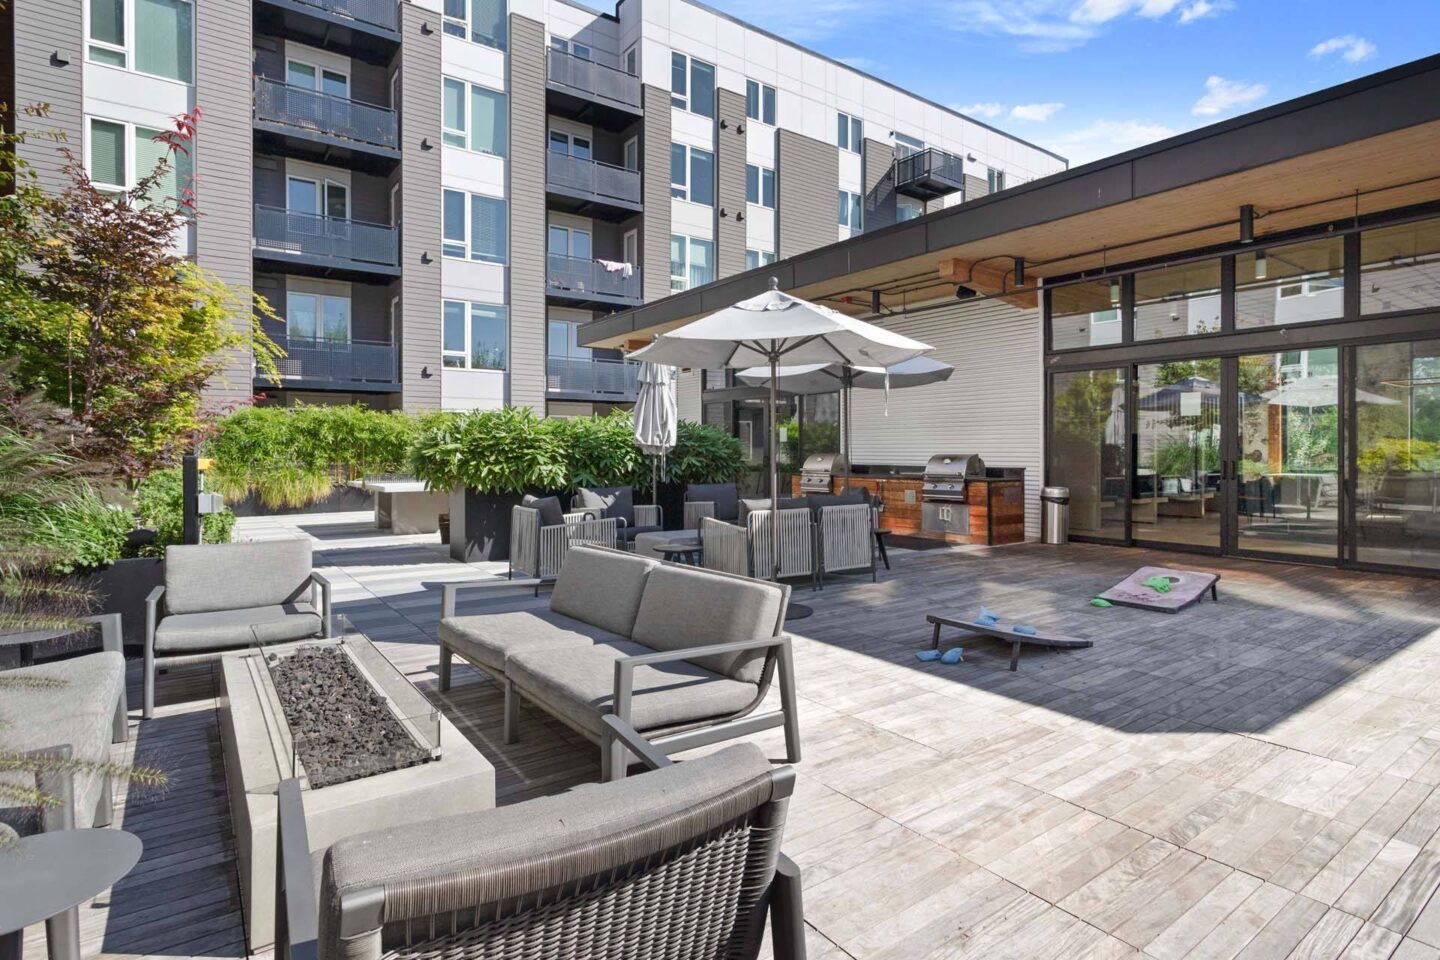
435, 194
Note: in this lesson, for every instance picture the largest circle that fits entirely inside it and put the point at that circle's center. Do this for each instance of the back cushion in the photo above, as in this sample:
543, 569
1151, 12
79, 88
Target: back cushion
725, 496
819, 501
618, 502
749, 506
229, 576
686, 607
601, 587
551, 513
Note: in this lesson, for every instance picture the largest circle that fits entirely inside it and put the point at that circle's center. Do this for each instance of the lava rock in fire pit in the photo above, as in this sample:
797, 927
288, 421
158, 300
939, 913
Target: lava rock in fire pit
342, 728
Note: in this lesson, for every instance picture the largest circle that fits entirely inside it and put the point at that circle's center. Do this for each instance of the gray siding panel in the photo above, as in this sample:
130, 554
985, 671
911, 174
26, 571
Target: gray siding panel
879, 185
976, 187
43, 28
730, 190
224, 167
655, 233
526, 192
993, 405
420, 195
807, 183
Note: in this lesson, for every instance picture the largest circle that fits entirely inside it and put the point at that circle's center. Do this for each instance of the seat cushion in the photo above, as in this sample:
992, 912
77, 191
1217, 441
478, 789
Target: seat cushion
579, 685
617, 502
233, 576
81, 713
490, 638
687, 607
551, 513
725, 496
601, 587
188, 633
628, 534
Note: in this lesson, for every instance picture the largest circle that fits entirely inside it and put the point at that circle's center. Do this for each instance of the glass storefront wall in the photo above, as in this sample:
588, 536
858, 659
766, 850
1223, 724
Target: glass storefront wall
1087, 451
1296, 283
1085, 315
1180, 301
1400, 268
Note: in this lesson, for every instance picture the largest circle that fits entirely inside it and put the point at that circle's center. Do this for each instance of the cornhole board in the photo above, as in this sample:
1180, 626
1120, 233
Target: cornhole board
1186, 588
1005, 635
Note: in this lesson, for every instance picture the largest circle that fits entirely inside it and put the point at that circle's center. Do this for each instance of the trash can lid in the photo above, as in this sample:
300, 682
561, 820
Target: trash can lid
1055, 492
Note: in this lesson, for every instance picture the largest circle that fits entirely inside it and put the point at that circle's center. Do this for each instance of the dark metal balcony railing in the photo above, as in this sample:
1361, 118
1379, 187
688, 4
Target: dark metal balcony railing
325, 113
929, 174
593, 79
586, 278
349, 361
592, 377
288, 231
601, 180
379, 13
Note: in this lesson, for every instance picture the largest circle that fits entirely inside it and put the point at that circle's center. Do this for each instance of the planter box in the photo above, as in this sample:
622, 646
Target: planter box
342, 498
122, 588
480, 525
255, 740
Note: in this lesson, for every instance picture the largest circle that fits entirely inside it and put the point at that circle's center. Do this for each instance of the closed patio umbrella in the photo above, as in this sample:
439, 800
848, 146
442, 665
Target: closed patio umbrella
656, 419
772, 328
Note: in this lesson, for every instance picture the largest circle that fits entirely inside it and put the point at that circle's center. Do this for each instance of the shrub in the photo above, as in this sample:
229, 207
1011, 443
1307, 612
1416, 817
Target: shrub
159, 504
492, 451
85, 534
705, 454
601, 452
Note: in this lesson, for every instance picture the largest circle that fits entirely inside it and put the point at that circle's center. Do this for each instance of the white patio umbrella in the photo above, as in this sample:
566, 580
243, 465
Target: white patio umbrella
656, 419
817, 378
772, 328
1313, 392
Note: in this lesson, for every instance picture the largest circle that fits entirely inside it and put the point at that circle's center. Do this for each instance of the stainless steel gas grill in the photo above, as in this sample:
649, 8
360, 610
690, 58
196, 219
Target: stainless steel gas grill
942, 492
819, 470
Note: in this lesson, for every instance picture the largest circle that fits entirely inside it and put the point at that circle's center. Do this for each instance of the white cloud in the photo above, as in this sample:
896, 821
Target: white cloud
1054, 26
1352, 48
987, 110
1101, 138
1199, 9
1035, 112
1103, 11
1222, 96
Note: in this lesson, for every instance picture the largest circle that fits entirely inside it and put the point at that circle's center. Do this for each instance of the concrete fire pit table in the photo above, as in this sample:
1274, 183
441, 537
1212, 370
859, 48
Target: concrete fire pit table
404, 504
261, 751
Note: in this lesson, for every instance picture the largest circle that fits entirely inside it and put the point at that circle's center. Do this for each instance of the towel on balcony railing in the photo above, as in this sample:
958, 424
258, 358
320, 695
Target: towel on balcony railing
625, 270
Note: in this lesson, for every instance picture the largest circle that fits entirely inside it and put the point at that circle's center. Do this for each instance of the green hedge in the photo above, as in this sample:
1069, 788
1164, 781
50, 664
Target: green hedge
159, 505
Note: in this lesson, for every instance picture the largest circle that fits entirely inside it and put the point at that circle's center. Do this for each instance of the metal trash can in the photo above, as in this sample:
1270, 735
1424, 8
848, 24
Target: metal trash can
1055, 510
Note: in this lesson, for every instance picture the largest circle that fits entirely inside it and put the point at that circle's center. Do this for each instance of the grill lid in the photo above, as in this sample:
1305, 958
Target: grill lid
953, 466
826, 463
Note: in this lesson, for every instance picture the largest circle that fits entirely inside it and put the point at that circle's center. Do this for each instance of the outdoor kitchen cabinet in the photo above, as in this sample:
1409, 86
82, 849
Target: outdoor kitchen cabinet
994, 506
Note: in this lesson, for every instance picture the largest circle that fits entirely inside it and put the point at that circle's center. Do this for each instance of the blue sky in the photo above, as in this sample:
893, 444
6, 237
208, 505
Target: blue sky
1089, 78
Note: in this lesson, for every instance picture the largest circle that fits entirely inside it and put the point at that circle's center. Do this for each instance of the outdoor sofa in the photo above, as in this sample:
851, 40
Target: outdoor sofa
223, 597
683, 861
684, 655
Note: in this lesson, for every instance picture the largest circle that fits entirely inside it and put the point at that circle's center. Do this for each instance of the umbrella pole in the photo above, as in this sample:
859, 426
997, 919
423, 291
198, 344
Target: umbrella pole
774, 465
845, 435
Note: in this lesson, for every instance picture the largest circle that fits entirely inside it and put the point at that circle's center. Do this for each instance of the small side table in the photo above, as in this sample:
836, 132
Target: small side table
880, 536
48, 875
681, 551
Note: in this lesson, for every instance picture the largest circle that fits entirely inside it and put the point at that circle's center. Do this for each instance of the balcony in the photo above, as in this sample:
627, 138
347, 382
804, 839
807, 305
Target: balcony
580, 378
590, 188
323, 123
592, 92
324, 245
337, 365
368, 29
929, 175
586, 283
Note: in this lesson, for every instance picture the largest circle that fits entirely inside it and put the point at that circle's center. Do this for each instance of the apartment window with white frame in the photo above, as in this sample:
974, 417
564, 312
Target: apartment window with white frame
312, 316
479, 21
849, 133
850, 210
474, 118
632, 60
755, 259
907, 146
573, 47
996, 180
908, 211
155, 37
692, 85
692, 262
692, 174
474, 227
760, 102
570, 145
474, 336
569, 242
760, 185
631, 152
118, 155
312, 76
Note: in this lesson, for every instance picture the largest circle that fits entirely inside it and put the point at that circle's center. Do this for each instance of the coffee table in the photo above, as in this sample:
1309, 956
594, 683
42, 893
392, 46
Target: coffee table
48, 875
681, 551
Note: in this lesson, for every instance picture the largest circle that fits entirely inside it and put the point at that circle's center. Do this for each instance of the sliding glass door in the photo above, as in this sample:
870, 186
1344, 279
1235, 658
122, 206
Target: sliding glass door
1087, 448
1176, 496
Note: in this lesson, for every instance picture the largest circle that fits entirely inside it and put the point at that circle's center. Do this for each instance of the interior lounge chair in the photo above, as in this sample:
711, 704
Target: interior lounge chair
618, 504
541, 535
683, 861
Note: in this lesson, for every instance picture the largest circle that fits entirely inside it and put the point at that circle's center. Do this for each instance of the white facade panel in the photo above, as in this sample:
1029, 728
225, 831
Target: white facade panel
462, 390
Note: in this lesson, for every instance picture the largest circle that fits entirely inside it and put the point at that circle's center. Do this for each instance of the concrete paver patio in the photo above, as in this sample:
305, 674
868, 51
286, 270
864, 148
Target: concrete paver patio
1252, 778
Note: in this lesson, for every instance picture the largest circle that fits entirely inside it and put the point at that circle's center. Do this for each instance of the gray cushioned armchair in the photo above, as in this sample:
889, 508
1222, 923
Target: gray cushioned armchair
223, 597
683, 861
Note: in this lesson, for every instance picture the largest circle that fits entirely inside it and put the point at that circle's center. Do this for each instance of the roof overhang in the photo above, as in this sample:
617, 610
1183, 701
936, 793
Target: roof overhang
1360, 148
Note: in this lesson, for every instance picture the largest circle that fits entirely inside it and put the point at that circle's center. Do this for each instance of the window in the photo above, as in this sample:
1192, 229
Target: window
568, 242
996, 180
326, 198
562, 341
630, 246
308, 76
570, 145
474, 223
1400, 267
760, 185
474, 336
692, 85
850, 133
480, 21
692, 262
908, 211
309, 316
1084, 314
755, 259
1297, 283
474, 117
760, 102
632, 153
149, 36
692, 174
632, 61
1088, 448
573, 47
1178, 301
850, 210
906, 146
120, 154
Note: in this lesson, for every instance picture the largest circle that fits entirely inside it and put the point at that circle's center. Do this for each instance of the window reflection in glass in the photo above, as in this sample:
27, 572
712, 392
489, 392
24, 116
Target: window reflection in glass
1178, 301
1085, 314
1400, 267
1298, 283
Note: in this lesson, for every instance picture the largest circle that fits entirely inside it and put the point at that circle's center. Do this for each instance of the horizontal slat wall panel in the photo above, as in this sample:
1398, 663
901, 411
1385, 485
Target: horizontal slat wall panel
992, 405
